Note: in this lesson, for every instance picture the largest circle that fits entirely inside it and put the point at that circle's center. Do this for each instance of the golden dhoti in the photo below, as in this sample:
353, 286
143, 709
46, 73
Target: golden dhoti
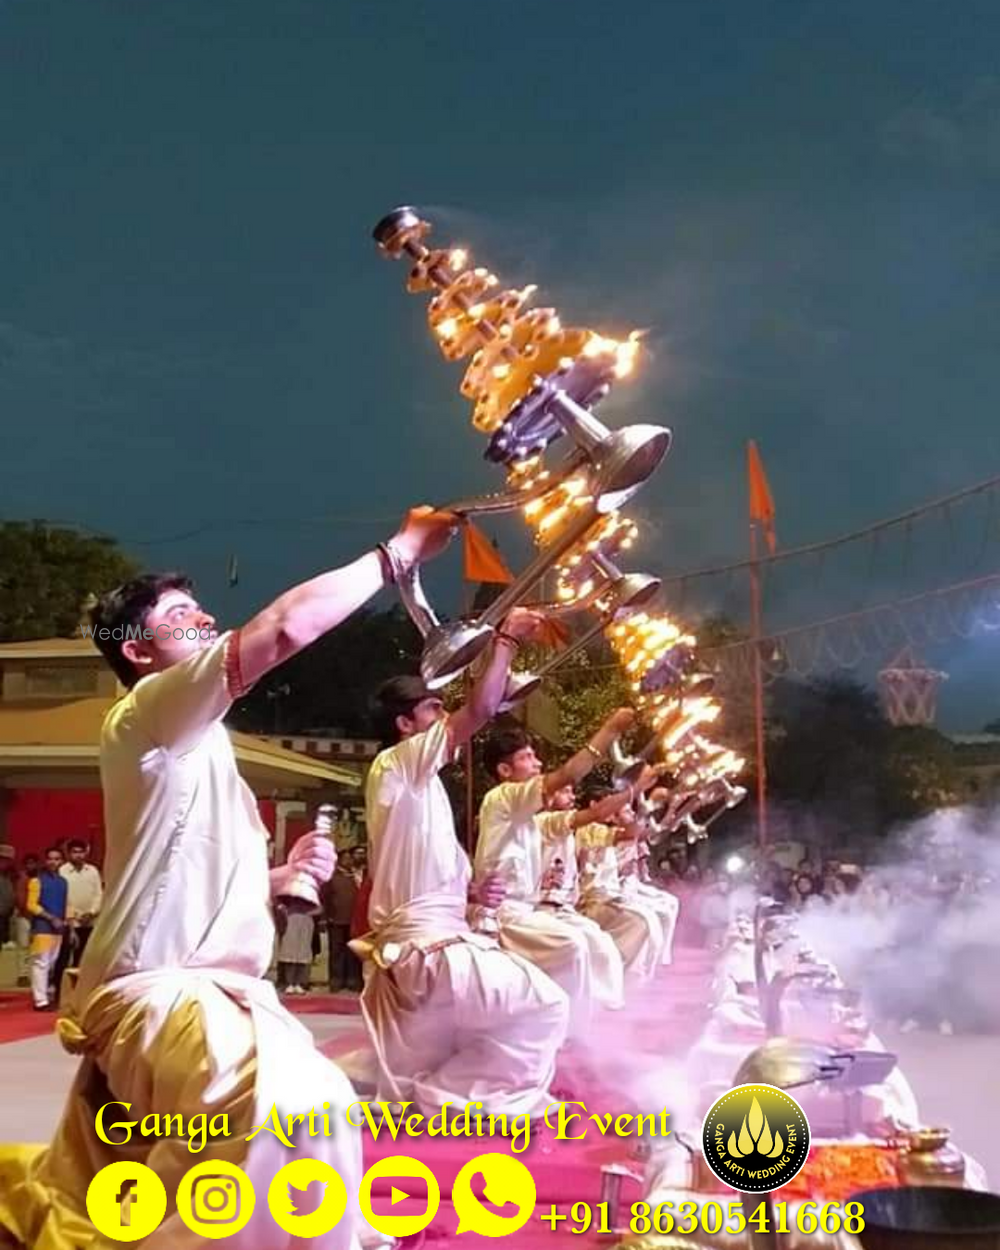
181, 1042
635, 928
455, 1019
572, 949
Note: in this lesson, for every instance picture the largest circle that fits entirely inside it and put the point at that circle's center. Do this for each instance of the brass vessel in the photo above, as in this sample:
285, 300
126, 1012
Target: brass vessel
929, 1158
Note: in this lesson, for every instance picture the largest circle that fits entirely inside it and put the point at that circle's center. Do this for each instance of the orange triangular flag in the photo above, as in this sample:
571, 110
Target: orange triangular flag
483, 563
761, 499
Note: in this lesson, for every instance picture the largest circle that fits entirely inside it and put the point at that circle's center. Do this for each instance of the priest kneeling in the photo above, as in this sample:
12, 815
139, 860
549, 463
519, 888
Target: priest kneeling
453, 1018
171, 1013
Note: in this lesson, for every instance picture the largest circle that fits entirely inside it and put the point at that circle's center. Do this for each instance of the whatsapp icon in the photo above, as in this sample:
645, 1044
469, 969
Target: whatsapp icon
494, 1195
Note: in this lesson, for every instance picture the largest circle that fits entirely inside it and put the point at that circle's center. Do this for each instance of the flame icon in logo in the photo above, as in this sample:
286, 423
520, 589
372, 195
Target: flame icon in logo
755, 1134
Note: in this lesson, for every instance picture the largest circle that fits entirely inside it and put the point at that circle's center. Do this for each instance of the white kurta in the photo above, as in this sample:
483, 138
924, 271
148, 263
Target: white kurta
636, 886
572, 949
171, 1009
634, 926
83, 890
452, 1016
180, 823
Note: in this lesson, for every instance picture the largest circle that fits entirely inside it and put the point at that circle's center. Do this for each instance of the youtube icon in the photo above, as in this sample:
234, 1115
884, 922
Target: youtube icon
408, 1181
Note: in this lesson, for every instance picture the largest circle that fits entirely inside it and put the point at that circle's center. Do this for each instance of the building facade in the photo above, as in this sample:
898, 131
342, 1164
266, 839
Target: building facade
54, 694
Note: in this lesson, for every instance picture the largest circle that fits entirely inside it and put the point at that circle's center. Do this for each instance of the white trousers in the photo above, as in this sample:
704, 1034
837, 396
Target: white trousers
575, 952
464, 1024
41, 961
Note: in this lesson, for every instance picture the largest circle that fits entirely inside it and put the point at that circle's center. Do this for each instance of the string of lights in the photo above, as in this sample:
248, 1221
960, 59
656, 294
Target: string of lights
845, 641
962, 610
943, 505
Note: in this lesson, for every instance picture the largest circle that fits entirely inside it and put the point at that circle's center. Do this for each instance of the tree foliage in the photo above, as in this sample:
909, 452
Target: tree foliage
831, 750
921, 772
49, 574
586, 690
735, 726
330, 685
827, 747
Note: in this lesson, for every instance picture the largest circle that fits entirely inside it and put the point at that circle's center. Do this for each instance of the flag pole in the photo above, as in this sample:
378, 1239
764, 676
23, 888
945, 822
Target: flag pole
470, 747
483, 565
756, 626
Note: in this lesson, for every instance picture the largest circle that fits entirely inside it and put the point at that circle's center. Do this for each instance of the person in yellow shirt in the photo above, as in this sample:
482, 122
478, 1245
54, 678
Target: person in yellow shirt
171, 1011
45, 903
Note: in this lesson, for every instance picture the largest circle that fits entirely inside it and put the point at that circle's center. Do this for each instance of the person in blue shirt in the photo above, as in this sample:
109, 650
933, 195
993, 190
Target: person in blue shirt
46, 905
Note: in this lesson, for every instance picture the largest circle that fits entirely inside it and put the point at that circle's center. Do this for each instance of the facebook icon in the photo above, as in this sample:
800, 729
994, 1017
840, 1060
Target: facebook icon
125, 1198
126, 1201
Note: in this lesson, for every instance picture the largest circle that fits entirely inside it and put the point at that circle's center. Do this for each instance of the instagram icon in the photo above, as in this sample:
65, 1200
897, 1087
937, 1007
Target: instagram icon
215, 1199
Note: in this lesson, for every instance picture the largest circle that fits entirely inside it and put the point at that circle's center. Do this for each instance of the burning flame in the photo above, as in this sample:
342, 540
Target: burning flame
547, 513
625, 353
511, 348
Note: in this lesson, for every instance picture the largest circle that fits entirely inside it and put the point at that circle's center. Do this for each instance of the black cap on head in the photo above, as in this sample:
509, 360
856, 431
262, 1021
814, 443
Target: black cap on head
398, 697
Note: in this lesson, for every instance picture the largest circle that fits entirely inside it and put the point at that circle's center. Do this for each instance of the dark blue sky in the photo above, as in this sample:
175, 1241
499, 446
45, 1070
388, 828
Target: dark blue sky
799, 200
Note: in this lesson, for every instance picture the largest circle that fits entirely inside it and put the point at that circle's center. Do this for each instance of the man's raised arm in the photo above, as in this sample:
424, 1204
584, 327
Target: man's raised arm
572, 771
303, 614
606, 808
490, 687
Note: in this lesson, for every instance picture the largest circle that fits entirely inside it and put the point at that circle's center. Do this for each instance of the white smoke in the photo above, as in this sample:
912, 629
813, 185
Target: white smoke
919, 937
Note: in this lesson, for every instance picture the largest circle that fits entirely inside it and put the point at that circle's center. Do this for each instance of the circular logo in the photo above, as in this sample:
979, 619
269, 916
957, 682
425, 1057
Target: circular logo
307, 1198
215, 1199
126, 1201
755, 1138
411, 1175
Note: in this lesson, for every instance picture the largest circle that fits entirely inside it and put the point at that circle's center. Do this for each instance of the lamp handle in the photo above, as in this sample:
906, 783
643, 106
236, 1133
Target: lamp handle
415, 601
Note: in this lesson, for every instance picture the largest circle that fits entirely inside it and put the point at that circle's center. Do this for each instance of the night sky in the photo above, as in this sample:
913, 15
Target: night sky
202, 353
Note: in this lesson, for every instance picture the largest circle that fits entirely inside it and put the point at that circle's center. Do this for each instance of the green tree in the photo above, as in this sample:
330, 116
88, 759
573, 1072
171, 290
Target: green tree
719, 639
832, 752
49, 574
587, 690
921, 772
330, 685
718, 630
828, 746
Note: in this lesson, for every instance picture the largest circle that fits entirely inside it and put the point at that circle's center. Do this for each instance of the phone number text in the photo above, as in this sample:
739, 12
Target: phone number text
711, 1217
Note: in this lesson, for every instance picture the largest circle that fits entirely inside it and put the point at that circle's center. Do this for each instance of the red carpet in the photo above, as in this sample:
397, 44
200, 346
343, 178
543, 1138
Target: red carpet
322, 1005
660, 1023
19, 1019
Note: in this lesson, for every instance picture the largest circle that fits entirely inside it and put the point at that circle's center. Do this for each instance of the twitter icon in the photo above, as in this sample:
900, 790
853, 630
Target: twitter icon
306, 1201
307, 1198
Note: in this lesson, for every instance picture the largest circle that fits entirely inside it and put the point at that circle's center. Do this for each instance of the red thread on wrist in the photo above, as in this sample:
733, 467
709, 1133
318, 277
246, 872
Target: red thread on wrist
234, 672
